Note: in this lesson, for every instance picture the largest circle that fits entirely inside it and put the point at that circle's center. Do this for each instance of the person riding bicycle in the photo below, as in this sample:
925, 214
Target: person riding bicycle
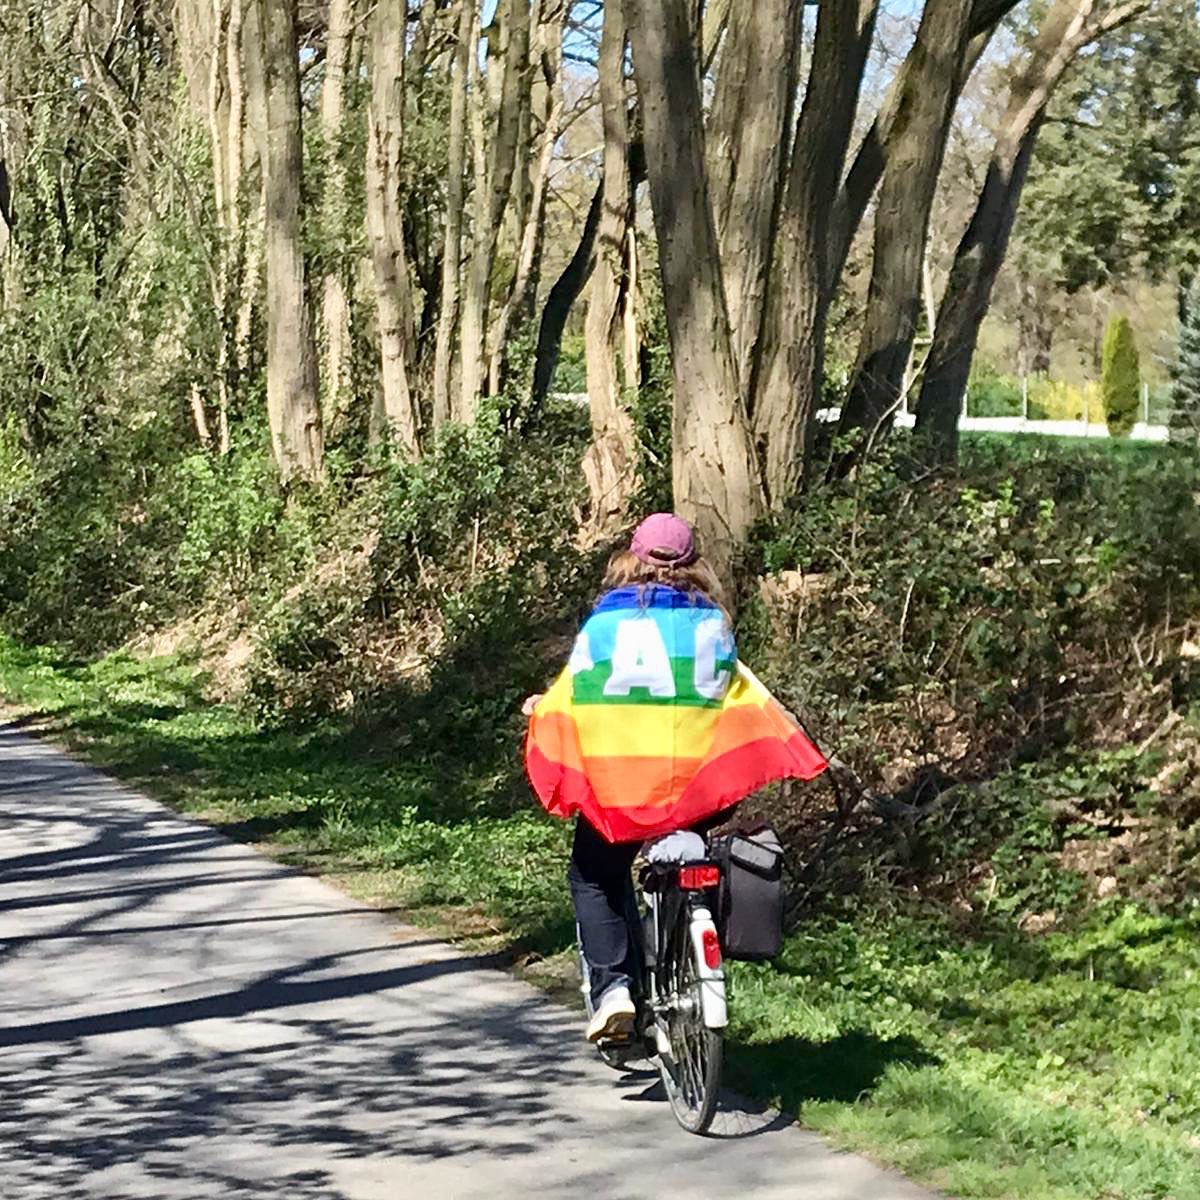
653, 726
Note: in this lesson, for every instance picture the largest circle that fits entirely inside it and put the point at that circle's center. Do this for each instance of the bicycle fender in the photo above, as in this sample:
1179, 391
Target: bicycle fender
712, 979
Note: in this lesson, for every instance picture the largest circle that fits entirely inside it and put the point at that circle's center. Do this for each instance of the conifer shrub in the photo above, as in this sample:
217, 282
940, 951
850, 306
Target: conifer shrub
1185, 375
1120, 381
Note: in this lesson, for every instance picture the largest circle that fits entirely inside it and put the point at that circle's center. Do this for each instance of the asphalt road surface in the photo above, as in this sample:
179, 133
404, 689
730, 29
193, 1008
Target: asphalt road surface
182, 1018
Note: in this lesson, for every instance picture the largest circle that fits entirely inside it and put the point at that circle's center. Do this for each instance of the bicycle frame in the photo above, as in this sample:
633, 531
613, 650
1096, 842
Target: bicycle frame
702, 934
679, 993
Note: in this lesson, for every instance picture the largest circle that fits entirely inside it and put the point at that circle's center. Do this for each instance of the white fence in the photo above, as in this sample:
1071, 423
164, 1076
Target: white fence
1141, 432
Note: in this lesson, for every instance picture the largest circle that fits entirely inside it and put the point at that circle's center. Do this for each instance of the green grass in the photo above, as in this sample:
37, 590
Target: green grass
983, 1061
1032, 443
994, 1066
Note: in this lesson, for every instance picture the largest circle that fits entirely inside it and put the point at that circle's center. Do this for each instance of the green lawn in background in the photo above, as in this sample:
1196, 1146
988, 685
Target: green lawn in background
990, 1065
1122, 449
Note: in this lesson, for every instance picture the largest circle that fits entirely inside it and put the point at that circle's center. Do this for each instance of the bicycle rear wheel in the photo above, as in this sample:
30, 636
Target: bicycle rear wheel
691, 1073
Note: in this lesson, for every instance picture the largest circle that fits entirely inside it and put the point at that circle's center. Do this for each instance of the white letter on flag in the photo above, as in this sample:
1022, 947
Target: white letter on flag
639, 659
712, 636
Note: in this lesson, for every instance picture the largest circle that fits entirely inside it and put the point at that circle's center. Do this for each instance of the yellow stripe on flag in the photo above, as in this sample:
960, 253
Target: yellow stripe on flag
645, 730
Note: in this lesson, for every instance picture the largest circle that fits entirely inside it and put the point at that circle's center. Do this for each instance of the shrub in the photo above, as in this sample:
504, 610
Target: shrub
1120, 381
1057, 400
975, 625
990, 394
1185, 375
570, 376
441, 586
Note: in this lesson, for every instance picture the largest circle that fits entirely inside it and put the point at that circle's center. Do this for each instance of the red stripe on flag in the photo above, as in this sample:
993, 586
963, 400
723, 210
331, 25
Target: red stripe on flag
716, 786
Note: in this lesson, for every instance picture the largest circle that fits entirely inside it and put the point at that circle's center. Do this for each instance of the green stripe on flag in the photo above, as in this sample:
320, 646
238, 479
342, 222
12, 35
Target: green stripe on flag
588, 686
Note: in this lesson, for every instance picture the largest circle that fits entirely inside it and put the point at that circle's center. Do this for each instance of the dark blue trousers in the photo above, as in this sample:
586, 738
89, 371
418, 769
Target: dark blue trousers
605, 906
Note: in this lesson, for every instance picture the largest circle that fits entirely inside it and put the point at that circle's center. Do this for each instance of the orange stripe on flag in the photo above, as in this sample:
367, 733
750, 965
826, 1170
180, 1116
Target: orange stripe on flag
638, 782
555, 735
747, 723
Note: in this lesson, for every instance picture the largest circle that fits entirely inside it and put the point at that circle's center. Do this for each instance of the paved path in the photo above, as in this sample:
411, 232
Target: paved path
182, 1018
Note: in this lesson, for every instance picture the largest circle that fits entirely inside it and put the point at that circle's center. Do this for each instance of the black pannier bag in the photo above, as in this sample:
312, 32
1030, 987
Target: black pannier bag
749, 914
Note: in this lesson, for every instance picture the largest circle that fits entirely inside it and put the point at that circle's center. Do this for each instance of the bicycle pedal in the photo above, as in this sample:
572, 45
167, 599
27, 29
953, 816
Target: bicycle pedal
616, 1043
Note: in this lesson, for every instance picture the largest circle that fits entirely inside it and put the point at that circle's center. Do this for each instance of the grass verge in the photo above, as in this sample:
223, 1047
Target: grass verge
988, 1063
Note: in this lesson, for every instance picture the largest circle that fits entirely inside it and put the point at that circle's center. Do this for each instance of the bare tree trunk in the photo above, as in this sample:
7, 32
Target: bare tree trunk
716, 480
200, 27
199, 416
335, 302
571, 282
632, 339
530, 245
9, 289
872, 154
385, 229
902, 216
561, 299
1067, 27
292, 401
249, 281
1043, 344
455, 201
714, 21
789, 379
221, 55
746, 138
496, 188
609, 463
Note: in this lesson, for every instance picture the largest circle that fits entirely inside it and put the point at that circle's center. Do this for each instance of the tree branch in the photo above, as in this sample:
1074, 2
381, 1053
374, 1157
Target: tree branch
1115, 18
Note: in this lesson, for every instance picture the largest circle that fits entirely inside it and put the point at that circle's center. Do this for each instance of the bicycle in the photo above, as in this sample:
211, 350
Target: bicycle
679, 987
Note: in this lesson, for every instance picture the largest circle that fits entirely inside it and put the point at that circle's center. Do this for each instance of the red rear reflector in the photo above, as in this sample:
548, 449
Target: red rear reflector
696, 879
712, 949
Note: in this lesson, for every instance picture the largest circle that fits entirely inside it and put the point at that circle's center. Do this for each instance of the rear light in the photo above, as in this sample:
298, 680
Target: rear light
712, 949
696, 879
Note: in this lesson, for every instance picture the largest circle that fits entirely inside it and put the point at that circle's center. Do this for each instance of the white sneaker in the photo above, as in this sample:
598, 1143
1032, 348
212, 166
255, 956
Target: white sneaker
614, 1015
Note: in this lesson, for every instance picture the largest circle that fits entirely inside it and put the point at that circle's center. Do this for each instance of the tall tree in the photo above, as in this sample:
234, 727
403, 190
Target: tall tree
873, 151
747, 139
541, 133
9, 291
292, 399
716, 479
924, 108
1067, 27
560, 299
496, 156
222, 56
789, 379
335, 302
461, 78
1120, 382
609, 462
1185, 375
1114, 187
385, 221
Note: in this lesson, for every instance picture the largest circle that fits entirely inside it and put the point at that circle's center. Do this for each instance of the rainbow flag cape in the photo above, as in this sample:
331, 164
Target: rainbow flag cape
654, 724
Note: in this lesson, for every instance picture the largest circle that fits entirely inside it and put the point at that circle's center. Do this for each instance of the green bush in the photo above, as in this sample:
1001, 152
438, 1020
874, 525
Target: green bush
1058, 400
991, 394
570, 375
976, 625
434, 614
1120, 381
1185, 375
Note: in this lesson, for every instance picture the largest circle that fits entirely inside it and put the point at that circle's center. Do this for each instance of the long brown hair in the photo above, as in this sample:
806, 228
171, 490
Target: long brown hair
697, 578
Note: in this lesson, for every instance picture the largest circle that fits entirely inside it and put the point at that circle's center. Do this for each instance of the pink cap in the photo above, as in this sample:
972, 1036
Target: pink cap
664, 540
